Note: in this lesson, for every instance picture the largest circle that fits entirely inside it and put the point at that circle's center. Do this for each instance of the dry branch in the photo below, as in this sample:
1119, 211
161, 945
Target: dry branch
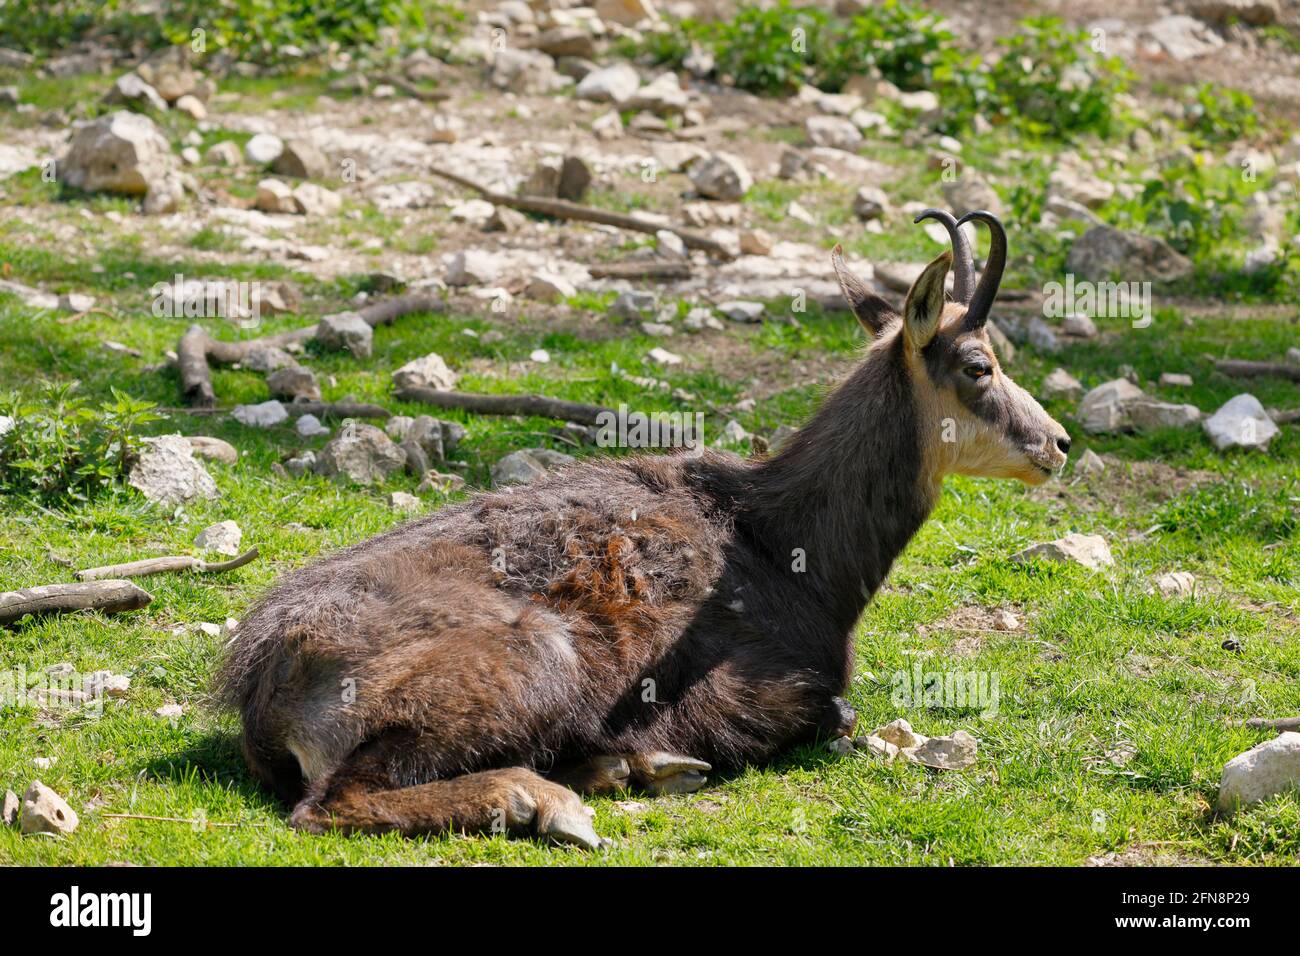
539, 405
1241, 368
641, 270
197, 348
135, 569
1285, 416
1267, 723
338, 409
410, 89
107, 596
563, 209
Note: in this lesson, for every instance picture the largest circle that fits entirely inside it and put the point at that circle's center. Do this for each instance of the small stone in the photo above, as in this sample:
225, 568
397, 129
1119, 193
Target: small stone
548, 287
9, 814
1105, 408
1004, 620
263, 149
106, 684
1145, 415
44, 811
1241, 422
309, 426
472, 267
1175, 380
1261, 772
293, 382
275, 196
670, 245
1079, 326
402, 501
721, 176
876, 746
739, 310
301, 464
170, 712
840, 746
956, 752
301, 159
1176, 584
756, 242
428, 371
899, 733
310, 199
1087, 550
612, 84
263, 415
870, 203
346, 330
192, 106
223, 537
663, 357
526, 465
1061, 384
360, 453
832, 131
167, 474
539, 355
225, 153
440, 482
1089, 463
633, 305
213, 449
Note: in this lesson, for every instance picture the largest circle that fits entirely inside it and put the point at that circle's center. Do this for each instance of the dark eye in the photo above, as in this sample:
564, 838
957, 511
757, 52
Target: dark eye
977, 372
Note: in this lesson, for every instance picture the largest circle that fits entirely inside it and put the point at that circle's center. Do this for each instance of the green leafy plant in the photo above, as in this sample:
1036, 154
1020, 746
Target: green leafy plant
1217, 114
58, 447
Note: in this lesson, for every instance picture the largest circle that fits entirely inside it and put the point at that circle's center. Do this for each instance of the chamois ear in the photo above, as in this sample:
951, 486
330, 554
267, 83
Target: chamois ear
872, 311
924, 306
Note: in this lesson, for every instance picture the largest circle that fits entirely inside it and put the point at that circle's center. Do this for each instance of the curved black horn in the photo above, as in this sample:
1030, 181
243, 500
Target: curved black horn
963, 262
977, 310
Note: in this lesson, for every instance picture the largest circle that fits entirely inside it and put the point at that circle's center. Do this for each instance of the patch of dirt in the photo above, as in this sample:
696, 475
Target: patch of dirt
1125, 485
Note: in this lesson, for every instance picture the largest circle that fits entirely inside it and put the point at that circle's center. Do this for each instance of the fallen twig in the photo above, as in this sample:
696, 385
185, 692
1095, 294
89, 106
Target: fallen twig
563, 209
197, 348
135, 569
338, 409
1241, 368
649, 269
539, 405
77, 316
410, 89
107, 596
1269, 723
190, 821
1285, 416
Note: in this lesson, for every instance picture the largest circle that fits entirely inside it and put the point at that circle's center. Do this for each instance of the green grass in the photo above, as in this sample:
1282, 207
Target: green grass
1101, 666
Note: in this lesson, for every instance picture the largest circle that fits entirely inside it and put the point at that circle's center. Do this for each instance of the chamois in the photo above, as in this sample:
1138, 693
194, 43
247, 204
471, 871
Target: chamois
634, 621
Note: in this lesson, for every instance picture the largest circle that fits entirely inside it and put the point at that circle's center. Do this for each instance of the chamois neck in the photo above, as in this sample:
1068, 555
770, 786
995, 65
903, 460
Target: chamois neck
849, 488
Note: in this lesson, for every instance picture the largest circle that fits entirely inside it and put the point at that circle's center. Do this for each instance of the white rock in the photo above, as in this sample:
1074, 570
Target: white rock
1061, 384
361, 453
627, 13
1261, 772
309, 426
540, 355
263, 149
428, 371
721, 176
1146, 414
876, 746
664, 357
899, 733
9, 814
1176, 584
213, 449
263, 415
402, 501
1240, 422
740, 310
832, 131
472, 267
612, 84
1088, 550
1106, 408
527, 465
275, 196
956, 752
1175, 380
167, 474
223, 537
120, 153
346, 330
310, 199
547, 287
44, 811
1089, 463
170, 712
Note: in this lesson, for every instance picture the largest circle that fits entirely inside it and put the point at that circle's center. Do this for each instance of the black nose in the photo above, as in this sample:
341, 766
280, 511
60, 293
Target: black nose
1064, 444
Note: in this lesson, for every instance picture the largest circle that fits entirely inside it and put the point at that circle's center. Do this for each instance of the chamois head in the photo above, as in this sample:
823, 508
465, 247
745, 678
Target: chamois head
974, 420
